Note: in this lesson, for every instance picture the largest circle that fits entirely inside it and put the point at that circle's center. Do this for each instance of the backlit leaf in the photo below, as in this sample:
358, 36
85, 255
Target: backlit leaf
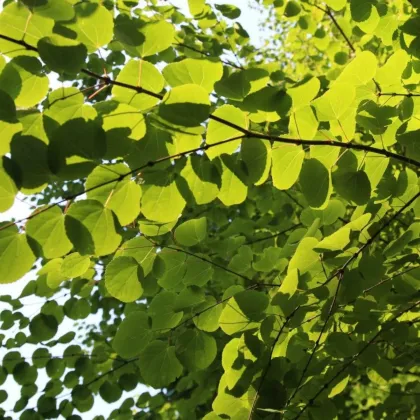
14, 246
192, 232
91, 228
122, 279
159, 365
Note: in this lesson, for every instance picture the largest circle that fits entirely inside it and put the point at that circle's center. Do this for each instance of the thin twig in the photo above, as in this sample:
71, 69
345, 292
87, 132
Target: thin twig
267, 368
354, 358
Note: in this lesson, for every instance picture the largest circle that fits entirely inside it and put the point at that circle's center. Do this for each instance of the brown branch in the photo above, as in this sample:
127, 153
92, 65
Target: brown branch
274, 235
372, 238
266, 370
346, 38
120, 178
253, 286
393, 94
228, 63
354, 358
330, 14
389, 279
246, 132
318, 340
340, 274
191, 254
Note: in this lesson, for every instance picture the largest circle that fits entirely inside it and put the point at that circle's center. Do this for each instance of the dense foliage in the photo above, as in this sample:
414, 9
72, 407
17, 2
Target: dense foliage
236, 227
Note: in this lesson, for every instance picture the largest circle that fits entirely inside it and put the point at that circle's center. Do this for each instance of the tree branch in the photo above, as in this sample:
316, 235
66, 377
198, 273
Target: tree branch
244, 131
373, 237
354, 358
264, 374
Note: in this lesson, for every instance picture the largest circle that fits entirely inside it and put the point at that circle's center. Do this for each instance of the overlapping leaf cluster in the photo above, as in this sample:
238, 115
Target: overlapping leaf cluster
235, 227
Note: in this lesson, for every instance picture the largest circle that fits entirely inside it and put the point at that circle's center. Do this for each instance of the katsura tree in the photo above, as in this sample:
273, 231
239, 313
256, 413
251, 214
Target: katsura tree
235, 227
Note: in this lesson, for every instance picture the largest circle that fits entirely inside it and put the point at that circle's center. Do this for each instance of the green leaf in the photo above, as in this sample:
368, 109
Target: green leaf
121, 196
202, 72
196, 6
170, 268
7, 108
23, 79
339, 387
303, 93
198, 272
218, 132
188, 298
191, 232
30, 155
144, 39
303, 123
228, 10
163, 313
315, 182
132, 336
14, 245
156, 144
292, 9
243, 312
304, 258
142, 74
257, 154
18, 22
122, 279
46, 229
410, 143
353, 186
339, 344
235, 86
333, 104
25, 374
9, 124
335, 242
360, 70
290, 283
117, 119
336, 4
52, 272
369, 25
59, 10
202, 180
110, 392
76, 137
209, 207
141, 249
65, 104
94, 25
269, 260
227, 404
233, 189
162, 203
155, 229
8, 189
196, 349
361, 10
209, 314
91, 228
75, 265
43, 327
61, 54
287, 160
159, 365
186, 105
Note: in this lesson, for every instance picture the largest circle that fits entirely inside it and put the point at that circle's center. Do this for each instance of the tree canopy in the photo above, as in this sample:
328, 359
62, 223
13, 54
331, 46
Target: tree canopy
237, 227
